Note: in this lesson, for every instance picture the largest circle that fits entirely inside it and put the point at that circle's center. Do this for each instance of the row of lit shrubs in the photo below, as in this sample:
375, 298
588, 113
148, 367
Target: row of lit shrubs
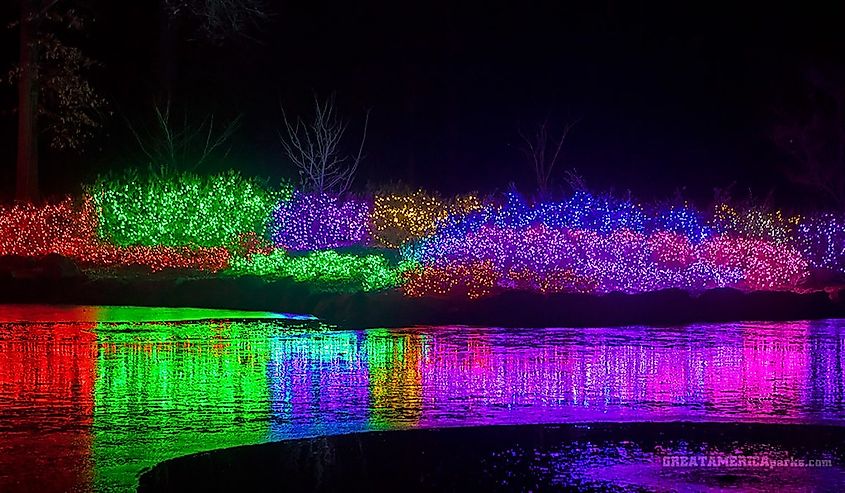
459, 245
219, 223
185, 209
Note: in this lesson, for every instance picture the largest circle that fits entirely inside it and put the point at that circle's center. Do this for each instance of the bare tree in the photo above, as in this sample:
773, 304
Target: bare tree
220, 19
815, 138
314, 146
544, 151
575, 180
208, 21
173, 143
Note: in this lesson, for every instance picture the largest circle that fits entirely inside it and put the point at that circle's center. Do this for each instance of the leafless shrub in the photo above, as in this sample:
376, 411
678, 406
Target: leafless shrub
179, 144
543, 150
314, 146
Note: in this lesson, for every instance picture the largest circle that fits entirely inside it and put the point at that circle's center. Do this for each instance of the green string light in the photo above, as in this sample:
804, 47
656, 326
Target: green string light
327, 268
182, 209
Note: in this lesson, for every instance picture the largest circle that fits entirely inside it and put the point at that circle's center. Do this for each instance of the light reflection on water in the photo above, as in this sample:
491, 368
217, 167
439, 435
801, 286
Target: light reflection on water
90, 404
645, 464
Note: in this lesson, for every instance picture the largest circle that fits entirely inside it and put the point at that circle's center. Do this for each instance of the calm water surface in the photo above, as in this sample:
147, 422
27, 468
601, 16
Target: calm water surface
89, 397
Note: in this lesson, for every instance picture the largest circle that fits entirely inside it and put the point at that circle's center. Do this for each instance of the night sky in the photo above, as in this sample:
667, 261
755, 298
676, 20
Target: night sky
669, 94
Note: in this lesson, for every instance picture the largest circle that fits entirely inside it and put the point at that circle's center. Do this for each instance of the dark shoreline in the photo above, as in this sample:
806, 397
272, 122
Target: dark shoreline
392, 309
482, 458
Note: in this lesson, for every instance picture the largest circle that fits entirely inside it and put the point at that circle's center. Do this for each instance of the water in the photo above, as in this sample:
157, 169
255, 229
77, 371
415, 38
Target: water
87, 404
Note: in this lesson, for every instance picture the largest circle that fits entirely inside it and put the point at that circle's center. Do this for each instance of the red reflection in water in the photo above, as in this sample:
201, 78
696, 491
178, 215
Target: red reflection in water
47, 382
48, 313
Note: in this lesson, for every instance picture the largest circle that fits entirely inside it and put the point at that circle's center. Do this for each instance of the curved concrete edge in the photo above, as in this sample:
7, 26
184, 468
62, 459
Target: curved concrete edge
445, 459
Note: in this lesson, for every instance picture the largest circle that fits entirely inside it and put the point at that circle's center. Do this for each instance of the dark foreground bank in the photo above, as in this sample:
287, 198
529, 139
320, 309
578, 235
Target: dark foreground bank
599, 457
56, 281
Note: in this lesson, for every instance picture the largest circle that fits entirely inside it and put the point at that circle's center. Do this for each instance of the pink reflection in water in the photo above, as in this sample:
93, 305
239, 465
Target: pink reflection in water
443, 376
748, 372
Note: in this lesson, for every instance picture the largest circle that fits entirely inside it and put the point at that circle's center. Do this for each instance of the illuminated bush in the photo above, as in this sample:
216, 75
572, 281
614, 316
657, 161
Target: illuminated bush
763, 264
398, 218
587, 211
465, 279
156, 258
181, 209
670, 250
327, 269
543, 258
683, 220
451, 247
554, 280
317, 221
581, 211
821, 240
68, 229
29, 230
754, 223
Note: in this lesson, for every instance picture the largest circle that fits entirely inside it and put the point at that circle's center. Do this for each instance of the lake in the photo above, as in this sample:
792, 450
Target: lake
91, 396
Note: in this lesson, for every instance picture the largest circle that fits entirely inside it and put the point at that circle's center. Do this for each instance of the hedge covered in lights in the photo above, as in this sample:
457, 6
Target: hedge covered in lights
319, 221
600, 244
548, 259
327, 268
181, 209
422, 243
399, 218
68, 228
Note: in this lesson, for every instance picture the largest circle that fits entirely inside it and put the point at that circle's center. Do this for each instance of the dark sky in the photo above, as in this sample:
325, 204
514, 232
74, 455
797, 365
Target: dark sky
670, 94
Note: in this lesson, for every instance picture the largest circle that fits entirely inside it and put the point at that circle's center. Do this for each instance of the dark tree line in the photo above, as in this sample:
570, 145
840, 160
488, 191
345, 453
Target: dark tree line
55, 97
59, 107
814, 136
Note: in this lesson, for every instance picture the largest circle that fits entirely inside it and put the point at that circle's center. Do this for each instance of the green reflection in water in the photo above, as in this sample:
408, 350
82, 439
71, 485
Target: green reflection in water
129, 314
144, 314
167, 390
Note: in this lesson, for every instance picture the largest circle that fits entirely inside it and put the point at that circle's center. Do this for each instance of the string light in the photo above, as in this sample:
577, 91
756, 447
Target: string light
182, 209
327, 269
68, 229
398, 218
318, 221
764, 264
450, 247
29, 230
471, 279
547, 259
821, 240
755, 223
683, 220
